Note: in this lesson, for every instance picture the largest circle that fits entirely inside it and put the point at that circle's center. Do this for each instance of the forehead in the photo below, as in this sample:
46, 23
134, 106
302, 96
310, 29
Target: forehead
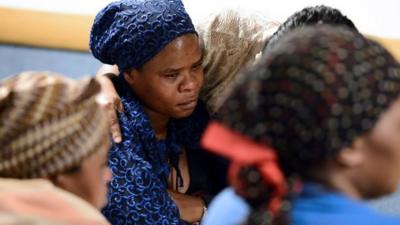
387, 126
181, 52
101, 152
392, 115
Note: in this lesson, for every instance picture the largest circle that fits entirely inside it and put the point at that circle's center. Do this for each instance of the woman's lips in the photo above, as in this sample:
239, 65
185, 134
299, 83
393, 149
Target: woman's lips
188, 105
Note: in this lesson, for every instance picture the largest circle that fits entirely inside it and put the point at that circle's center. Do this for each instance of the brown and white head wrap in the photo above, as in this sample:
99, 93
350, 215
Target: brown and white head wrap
48, 124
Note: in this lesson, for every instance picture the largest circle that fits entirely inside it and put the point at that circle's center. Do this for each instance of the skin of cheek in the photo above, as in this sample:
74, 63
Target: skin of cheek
383, 152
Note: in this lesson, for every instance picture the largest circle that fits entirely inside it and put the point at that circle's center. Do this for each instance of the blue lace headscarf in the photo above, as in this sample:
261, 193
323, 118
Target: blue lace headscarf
129, 33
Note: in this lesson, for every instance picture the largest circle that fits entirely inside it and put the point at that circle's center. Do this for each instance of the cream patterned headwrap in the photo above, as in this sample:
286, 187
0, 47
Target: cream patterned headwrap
231, 41
48, 124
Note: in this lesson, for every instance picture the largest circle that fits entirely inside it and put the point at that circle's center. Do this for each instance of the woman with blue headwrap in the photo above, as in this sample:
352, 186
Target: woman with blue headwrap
158, 166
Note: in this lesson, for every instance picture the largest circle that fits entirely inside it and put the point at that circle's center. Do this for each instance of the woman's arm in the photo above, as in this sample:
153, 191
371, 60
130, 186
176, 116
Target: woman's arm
108, 69
109, 98
191, 208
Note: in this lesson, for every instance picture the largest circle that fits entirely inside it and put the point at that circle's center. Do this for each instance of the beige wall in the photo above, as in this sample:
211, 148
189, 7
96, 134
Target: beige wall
45, 29
71, 31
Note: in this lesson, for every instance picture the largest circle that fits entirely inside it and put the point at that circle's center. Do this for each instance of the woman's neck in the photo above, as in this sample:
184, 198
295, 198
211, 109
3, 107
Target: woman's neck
344, 185
159, 123
335, 179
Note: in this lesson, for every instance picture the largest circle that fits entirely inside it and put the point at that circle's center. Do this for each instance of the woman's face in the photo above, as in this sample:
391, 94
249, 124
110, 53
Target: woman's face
169, 84
90, 182
381, 168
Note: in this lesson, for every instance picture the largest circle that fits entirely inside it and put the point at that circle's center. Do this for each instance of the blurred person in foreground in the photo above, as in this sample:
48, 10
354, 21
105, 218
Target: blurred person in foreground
54, 143
310, 130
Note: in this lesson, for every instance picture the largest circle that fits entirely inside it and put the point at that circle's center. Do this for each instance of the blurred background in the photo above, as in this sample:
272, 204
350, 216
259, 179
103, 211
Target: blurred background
53, 34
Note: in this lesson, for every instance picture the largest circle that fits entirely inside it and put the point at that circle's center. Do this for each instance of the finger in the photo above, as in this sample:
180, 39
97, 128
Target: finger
118, 105
115, 129
114, 123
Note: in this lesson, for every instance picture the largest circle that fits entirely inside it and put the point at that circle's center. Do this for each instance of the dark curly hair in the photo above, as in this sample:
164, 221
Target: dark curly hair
309, 16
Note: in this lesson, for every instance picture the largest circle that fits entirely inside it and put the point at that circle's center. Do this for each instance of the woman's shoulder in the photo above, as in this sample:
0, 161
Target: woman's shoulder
227, 208
316, 205
39, 197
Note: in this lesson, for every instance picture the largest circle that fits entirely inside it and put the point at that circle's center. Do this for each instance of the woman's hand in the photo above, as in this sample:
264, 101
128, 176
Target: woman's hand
190, 207
109, 98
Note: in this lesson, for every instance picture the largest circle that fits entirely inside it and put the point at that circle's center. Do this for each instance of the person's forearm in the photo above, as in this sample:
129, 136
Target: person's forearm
190, 207
109, 98
106, 70
104, 76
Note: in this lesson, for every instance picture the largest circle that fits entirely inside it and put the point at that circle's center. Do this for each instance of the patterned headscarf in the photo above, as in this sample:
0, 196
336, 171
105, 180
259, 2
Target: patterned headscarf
129, 33
48, 124
307, 98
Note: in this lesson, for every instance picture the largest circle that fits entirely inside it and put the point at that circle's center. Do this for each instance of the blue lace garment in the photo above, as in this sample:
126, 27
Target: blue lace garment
141, 164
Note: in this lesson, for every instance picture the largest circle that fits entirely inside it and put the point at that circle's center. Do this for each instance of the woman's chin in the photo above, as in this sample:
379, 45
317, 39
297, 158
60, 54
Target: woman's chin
183, 113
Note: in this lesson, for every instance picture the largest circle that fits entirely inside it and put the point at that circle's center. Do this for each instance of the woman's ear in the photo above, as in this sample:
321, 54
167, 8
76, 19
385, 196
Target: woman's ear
354, 155
131, 76
62, 181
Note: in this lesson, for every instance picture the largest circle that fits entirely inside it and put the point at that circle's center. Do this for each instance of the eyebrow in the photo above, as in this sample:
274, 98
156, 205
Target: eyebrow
199, 62
201, 58
174, 70
170, 70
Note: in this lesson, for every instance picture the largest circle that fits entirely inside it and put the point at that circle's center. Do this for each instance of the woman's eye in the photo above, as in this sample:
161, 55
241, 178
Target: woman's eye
196, 67
171, 75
